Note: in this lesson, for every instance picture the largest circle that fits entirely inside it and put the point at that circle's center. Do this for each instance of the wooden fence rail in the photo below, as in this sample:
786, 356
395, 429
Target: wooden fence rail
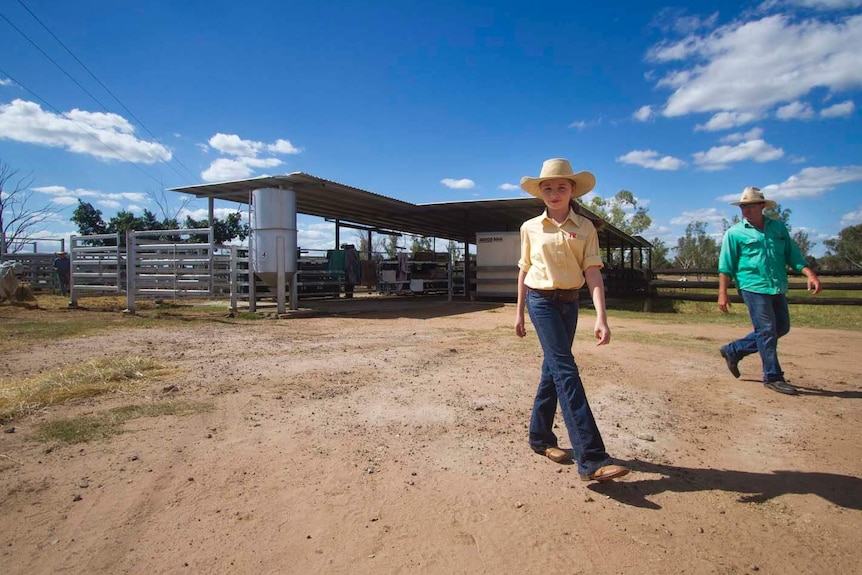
660, 286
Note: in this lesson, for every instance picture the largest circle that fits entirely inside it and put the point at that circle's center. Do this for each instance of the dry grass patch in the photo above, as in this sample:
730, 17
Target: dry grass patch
109, 423
21, 396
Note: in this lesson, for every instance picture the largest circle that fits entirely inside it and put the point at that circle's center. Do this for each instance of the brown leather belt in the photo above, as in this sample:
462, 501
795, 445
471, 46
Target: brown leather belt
563, 295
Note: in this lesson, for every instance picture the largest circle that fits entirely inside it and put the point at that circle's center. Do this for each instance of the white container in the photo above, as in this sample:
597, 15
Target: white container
273, 244
497, 255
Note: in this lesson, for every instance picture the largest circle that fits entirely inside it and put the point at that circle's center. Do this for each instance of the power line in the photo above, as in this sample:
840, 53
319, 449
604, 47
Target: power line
105, 108
92, 75
190, 173
83, 128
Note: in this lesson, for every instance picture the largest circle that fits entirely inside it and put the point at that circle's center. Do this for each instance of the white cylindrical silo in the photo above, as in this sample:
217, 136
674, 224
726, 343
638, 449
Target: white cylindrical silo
274, 234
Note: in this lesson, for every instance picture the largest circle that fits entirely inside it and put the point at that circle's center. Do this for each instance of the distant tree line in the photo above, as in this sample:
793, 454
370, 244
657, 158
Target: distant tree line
89, 221
20, 220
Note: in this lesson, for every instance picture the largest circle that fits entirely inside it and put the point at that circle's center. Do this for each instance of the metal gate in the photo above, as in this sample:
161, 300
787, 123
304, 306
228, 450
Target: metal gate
152, 265
168, 264
97, 266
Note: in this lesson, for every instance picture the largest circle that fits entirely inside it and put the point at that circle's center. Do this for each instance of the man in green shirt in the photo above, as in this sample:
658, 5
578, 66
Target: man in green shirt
755, 253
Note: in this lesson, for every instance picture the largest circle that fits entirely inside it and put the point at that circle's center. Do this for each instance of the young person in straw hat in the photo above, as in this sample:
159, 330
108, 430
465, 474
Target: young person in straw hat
755, 253
559, 253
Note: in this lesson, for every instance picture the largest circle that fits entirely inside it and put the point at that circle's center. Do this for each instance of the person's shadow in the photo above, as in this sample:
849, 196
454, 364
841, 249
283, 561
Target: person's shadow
819, 391
849, 394
842, 490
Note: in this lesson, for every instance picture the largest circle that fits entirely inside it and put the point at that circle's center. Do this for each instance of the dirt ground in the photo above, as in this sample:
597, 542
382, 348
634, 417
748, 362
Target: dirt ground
394, 440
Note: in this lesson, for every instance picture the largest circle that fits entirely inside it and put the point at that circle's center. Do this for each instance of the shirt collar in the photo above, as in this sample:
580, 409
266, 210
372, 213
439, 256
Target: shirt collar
572, 217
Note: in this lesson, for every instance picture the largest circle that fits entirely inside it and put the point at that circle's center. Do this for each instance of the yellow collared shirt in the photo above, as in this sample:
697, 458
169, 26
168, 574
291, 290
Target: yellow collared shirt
554, 256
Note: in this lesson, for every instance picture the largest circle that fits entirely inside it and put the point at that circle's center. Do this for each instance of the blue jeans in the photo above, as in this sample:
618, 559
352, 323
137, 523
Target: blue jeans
770, 317
555, 324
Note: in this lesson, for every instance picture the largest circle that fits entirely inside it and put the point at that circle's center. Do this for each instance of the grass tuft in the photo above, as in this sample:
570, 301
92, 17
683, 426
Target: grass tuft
26, 395
110, 423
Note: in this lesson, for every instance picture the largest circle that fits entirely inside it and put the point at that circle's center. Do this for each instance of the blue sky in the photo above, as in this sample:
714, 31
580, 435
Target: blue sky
683, 104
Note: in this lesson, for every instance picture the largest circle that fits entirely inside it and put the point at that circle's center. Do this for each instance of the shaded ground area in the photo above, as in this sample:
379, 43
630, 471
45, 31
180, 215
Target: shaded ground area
390, 437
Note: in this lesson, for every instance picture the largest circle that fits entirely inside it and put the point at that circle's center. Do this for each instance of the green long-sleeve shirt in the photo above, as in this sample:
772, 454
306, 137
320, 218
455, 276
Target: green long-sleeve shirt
757, 261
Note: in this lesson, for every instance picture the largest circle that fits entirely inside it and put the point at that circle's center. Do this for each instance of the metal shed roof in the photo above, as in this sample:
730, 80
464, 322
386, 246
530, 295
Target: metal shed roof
458, 221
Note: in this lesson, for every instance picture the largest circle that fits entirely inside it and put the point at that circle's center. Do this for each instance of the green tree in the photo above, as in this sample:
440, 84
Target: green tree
696, 249
378, 244
847, 247
223, 230
455, 252
123, 222
88, 219
420, 244
804, 242
391, 246
623, 212
660, 251
776, 212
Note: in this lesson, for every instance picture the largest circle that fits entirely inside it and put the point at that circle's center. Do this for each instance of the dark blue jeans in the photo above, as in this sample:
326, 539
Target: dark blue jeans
555, 323
770, 317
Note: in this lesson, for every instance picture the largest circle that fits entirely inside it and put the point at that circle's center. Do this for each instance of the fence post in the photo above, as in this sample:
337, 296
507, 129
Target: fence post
73, 294
450, 275
233, 290
130, 271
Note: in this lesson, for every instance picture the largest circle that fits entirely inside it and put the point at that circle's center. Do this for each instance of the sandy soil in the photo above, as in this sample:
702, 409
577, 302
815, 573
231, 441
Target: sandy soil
394, 441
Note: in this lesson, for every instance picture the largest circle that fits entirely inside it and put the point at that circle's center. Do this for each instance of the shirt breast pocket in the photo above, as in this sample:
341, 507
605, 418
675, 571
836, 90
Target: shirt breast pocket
778, 244
751, 247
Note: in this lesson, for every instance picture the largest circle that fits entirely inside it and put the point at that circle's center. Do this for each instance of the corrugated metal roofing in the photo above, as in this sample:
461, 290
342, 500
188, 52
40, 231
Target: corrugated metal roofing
458, 221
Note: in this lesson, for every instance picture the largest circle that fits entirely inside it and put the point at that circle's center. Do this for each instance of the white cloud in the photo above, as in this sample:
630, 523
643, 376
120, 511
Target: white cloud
725, 121
752, 134
245, 156
103, 136
756, 65
651, 159
225, 169
463, 184
233, 145
578, 125
64, 196
708, 215
838, 110
851, 218
283, 147
827, 4
128, 196
795, 111
677, 20
509, 187
6, 82
64, 191
64, 200
643, 113
718, 157
813, 182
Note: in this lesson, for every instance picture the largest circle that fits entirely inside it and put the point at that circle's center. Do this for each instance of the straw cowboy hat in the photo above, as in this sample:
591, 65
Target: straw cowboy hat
559, 168
752, 195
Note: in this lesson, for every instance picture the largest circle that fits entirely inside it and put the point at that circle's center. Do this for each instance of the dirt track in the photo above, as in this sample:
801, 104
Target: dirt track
395, 442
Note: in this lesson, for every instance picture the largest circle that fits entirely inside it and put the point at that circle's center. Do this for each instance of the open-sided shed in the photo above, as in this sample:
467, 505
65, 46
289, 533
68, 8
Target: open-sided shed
361, 209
